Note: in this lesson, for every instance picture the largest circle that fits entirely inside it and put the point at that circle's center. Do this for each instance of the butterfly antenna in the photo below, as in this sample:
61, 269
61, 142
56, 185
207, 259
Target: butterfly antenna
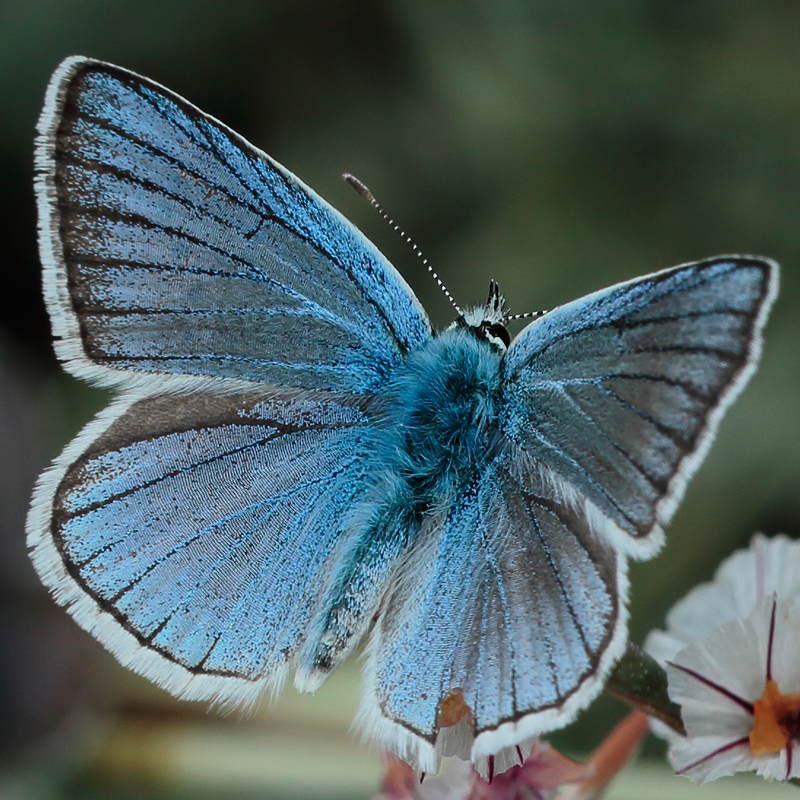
370, 198
526, 315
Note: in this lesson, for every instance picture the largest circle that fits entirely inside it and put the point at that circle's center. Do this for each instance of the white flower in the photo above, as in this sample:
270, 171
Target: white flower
732, 654
739, 692
741, 580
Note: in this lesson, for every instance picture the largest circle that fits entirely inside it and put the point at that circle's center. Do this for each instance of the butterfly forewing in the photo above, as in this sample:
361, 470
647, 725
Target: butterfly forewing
620, 392
173, 246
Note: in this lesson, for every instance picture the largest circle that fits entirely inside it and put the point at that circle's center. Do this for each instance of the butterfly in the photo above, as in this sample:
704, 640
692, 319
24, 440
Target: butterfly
296, 460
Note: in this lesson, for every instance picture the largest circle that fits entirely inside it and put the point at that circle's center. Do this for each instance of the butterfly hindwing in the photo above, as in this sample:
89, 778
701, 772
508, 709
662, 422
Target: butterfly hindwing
173, 246
621, 392
194, 548
512, 605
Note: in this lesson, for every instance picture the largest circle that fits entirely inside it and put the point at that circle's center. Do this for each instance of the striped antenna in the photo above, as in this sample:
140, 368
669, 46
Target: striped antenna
526, 315
370, 198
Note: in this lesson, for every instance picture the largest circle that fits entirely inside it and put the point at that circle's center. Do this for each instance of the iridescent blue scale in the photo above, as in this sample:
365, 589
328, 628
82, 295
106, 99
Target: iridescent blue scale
295, 453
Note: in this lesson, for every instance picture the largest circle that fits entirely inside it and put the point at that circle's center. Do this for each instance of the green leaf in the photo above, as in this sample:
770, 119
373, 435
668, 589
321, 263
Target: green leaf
640, 681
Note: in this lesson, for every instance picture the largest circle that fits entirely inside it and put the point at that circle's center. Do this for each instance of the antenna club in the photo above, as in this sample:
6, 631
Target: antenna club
358, 186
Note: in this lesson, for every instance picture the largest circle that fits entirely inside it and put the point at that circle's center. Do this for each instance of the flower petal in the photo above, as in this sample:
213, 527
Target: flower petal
716, 682
766, 566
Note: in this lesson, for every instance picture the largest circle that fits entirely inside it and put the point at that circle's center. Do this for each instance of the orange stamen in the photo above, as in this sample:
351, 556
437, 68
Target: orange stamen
776, 720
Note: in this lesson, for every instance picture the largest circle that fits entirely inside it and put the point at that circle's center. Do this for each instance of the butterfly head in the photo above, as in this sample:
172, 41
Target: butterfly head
487, 322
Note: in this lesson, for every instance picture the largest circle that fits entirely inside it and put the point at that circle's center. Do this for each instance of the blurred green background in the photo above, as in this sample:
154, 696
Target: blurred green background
555, 146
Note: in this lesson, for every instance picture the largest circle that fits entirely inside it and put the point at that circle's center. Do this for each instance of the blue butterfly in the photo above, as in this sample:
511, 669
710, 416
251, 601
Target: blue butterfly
296, 457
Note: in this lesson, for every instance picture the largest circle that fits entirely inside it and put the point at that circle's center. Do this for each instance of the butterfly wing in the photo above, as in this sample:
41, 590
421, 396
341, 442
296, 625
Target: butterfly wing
620, 393
512, 609
194, 548
173, 246
192, 525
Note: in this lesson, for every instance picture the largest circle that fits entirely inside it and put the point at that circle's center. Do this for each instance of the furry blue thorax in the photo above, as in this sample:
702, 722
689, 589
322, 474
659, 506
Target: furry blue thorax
442, 416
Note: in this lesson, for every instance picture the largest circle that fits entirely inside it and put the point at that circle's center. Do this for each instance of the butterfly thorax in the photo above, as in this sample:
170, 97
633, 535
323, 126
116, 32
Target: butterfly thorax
444, 415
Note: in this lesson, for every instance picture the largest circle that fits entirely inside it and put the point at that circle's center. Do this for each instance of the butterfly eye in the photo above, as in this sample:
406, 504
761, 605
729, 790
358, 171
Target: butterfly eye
498, 331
